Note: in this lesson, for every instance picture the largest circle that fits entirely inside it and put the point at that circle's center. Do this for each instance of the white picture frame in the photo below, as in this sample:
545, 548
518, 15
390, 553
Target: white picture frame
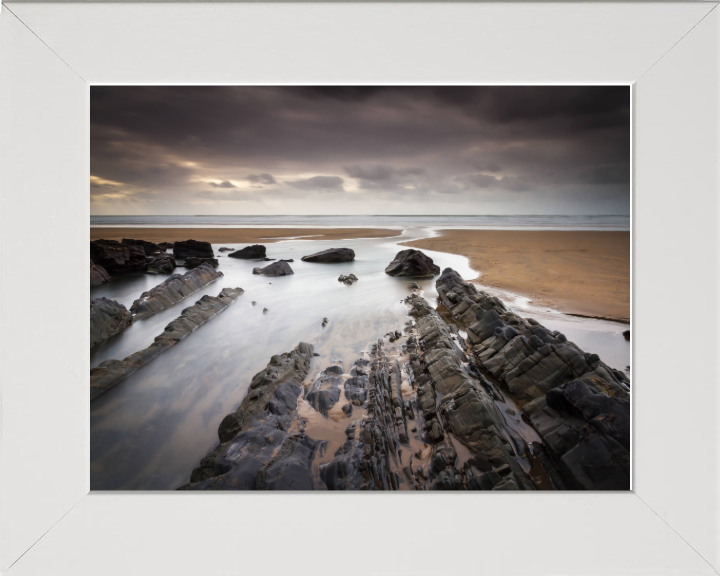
50, 523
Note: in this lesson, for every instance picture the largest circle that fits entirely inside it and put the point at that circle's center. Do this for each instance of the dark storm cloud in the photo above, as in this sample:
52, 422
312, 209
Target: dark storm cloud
561, 146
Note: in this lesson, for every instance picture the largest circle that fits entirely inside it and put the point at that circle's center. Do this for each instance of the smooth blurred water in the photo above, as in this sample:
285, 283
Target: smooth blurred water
153, 428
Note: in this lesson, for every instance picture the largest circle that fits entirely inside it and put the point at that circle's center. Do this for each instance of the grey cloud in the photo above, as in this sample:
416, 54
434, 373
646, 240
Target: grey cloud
263, 178
318, 183
223, 184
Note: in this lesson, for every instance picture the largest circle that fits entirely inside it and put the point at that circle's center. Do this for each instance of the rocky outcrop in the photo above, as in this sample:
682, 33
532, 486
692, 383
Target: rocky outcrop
117, 258
160, 263
110, 372
413, 263
165, 245
225, 249
274, 269
148, 247
262, 444
254, 252
193, 262
107, 318
348, 280
174, 289
331, 256
538, 368
98, 274
324, 392
192, 248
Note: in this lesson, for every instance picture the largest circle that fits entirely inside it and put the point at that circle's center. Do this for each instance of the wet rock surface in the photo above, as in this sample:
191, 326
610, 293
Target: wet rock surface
148, 247
107, 318
331, 256
348, 280
192, 248
412, 263
117, 258
254, 252
275, 269
98, 274
173, 289
160, 263
578, 404
110, 372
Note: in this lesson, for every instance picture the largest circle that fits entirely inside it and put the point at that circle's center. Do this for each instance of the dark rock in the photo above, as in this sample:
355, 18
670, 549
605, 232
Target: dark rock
254, 252
107, 318
165, 245
284, 399
117, 258
349, 280
192, 248
347, 409
174, 289
324, 322
283, 260
110, 372
324, 392
148, 247
98, 274
331, 256
412, 262
225, 249
626, 334
160, 263
193, 262
274, 269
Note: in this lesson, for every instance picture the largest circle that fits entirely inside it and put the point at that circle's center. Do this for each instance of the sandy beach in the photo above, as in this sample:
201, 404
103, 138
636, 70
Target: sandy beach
585, 273
237, 235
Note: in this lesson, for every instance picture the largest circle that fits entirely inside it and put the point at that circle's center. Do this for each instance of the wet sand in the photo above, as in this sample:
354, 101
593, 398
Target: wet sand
584, 273
237, 235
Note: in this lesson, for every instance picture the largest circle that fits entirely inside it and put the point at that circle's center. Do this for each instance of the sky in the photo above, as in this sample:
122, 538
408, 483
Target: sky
278, 150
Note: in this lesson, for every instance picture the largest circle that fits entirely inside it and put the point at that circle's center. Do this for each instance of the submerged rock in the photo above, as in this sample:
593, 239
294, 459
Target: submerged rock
348, 280
193, 262
174, 289
117, 258
148, 247
411, 263
331, 256
274, 269
98, 274
254, 252
225, 249
626, 334
192, 248
107, 318
110, 372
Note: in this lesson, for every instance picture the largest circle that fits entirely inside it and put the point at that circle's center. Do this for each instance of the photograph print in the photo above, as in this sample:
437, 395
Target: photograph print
360, 288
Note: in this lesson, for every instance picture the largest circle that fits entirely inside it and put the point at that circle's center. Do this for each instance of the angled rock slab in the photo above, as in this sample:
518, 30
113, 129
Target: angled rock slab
172, 290
107, 318
110, 372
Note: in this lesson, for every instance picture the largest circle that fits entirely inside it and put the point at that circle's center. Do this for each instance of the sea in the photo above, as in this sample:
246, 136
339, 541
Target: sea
489, 222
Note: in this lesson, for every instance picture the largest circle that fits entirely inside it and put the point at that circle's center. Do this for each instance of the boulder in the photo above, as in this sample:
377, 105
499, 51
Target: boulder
274, 269
331, 256
413, 263
107, 318
98, 274
348, 280
254, 252
149, 247
160, 263
225, 249
193, 262
324, 392
117, 258
192, 248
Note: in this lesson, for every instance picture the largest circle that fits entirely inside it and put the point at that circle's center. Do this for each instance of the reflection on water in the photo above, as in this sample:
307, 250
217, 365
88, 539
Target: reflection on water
153, 428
